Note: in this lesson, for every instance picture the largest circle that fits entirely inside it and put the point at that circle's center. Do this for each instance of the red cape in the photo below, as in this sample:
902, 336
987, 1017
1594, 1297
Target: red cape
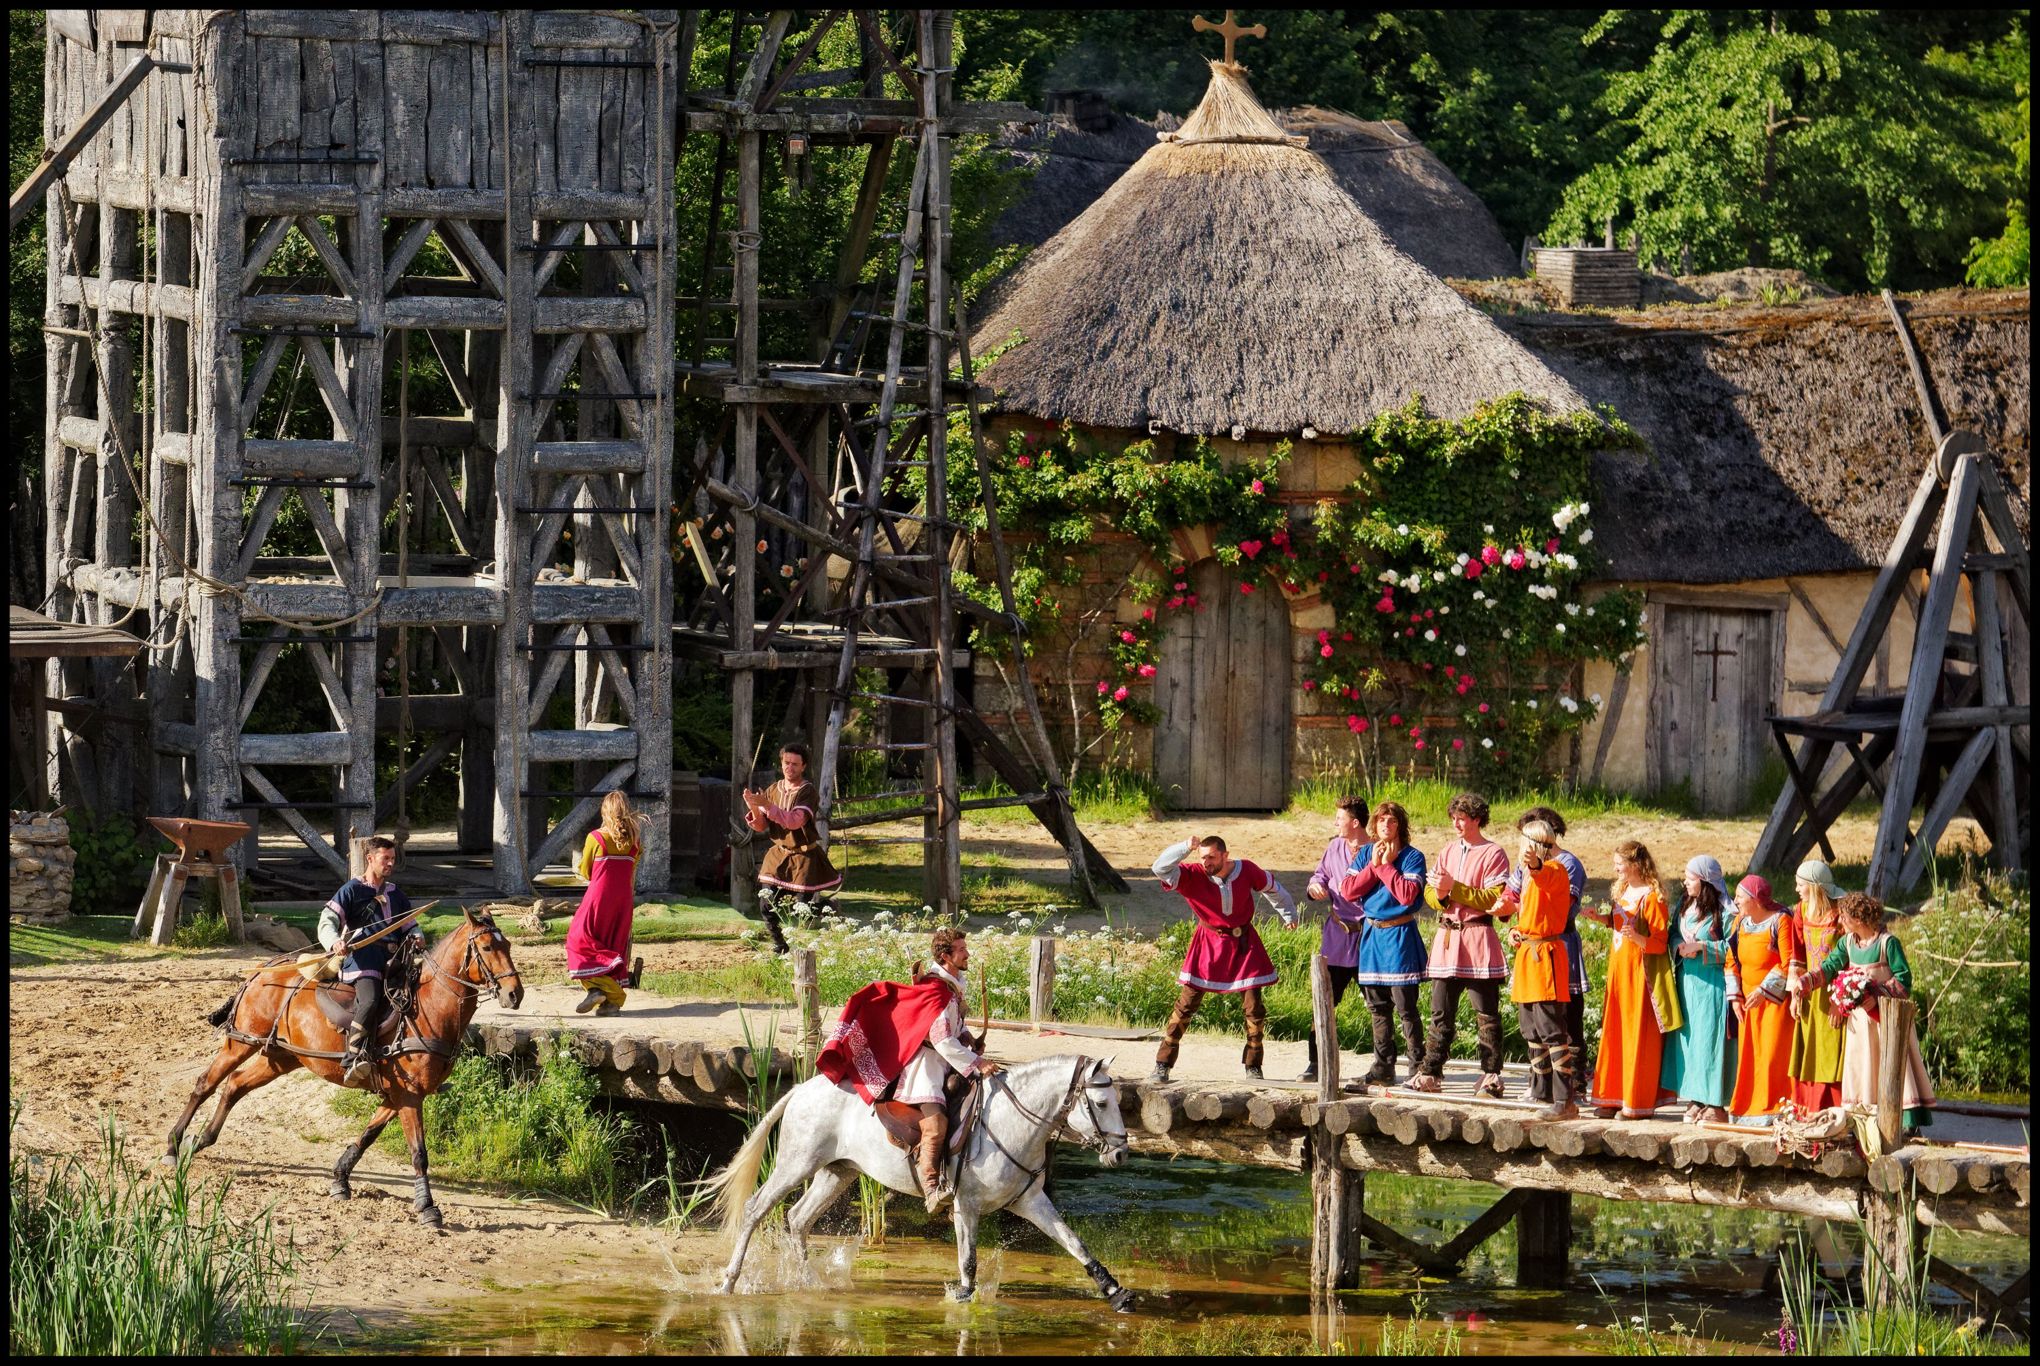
881, 1029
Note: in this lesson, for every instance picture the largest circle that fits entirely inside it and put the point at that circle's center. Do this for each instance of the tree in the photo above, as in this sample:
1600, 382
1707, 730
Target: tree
2004, 260
1813, 139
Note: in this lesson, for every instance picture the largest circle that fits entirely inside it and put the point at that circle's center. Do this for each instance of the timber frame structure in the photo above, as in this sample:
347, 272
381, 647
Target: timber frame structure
334, 199
459, 230
1957, 735
816, 506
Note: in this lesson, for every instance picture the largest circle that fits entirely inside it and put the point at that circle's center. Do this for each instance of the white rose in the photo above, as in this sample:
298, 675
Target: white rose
1437, 576
1584, 509
1479, 596
1488, 528
1560, 628
1402, 529
1487, 744
1459, 650
1587, 536
1462, 559
1430, 635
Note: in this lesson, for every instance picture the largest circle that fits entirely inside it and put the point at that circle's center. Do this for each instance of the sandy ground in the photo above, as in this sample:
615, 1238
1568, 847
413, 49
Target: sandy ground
128, 1037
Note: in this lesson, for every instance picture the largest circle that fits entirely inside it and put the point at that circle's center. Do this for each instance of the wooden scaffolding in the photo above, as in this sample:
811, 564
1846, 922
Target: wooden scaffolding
1957, 735
817, 497
350, 203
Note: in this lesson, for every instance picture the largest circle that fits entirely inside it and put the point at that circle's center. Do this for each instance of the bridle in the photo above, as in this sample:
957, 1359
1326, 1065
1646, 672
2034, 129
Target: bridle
1057, 1123
472, 957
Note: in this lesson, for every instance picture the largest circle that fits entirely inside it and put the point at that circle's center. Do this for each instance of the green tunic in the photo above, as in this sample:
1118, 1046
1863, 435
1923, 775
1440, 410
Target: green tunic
1885, 948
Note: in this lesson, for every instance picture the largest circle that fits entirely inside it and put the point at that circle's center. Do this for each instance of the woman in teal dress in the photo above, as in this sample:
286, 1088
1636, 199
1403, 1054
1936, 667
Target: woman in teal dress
1699, 1065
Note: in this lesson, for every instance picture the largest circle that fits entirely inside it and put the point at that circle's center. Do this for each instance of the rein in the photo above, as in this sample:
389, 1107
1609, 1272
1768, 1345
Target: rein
1056, 1123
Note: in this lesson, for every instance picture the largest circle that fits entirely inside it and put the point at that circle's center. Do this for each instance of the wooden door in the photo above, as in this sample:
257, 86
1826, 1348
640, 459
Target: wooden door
1714, 683
1223, 689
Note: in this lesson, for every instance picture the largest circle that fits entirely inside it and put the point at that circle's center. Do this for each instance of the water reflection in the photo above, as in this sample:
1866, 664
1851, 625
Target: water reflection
1219, 1257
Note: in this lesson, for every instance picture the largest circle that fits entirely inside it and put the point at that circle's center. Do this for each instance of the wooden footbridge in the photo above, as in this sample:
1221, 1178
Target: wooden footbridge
700, 1055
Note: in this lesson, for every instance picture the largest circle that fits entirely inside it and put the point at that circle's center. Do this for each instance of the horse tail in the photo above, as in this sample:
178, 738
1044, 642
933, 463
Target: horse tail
733, 1186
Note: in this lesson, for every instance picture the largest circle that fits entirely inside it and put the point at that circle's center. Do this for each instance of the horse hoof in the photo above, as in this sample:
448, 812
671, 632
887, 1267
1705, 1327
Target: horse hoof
962, 1294
340, 1190
1121, 1301
431, 1217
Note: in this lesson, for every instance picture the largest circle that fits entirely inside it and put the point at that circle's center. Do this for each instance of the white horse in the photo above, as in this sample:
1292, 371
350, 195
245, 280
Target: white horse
830, 1135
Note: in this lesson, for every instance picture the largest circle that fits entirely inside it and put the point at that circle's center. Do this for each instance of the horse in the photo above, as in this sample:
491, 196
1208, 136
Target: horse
274, 1025
829, 1135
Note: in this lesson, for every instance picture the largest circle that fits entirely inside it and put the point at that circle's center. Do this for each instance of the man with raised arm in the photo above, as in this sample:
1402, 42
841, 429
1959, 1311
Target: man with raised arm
363, 906
797, 865
1225, 954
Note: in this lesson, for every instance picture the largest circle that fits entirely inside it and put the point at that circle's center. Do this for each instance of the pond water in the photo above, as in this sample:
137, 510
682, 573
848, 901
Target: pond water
1220, 1259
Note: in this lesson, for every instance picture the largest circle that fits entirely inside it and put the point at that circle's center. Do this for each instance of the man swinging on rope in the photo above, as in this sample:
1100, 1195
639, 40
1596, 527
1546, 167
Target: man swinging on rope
909, 1039
360, 908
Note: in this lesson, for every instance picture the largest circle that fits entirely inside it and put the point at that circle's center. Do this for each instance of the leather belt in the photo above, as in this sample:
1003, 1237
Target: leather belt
1465, 923
1229, 931
1399, 921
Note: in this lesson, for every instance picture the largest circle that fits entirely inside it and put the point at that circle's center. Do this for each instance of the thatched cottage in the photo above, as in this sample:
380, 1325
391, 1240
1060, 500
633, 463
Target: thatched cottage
1228, 286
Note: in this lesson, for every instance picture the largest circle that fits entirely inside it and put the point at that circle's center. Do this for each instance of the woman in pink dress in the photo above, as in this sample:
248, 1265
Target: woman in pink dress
598, 940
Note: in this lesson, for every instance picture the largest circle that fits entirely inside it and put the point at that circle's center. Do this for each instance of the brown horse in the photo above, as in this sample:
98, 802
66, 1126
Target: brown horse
275, 1025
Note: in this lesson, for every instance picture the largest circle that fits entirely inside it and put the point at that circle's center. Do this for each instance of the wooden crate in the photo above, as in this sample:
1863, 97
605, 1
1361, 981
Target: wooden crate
1591, 277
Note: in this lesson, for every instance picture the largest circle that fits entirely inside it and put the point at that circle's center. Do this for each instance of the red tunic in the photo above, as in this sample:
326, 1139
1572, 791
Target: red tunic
598, 940
880, 1030
1225, 953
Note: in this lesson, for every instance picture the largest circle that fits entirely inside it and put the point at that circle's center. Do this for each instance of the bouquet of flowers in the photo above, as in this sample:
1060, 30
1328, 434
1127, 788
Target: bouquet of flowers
1852, 989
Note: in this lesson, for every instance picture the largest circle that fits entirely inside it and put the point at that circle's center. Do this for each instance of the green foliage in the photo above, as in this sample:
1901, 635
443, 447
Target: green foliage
2004, 261
1822, 140
1821, 1318
107, 1259
114, 859
1476, 518
1976, 1027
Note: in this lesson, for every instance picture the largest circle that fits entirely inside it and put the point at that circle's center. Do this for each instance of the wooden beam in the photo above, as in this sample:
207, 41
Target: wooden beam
1946, 803
1930, 407
58, 159
1923, 677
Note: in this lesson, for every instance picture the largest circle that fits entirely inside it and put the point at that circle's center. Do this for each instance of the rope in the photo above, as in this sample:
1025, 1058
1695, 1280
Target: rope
1968, 962
402, 830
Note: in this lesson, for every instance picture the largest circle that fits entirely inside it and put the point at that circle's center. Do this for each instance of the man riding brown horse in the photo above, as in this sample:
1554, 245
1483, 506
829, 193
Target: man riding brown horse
365, 905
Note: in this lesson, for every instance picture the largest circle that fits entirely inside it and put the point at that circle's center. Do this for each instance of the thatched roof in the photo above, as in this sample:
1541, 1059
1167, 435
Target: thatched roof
1226, 282
1402, 185
1786, 440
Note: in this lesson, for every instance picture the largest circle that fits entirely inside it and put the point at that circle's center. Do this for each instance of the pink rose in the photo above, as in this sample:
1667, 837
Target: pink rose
1409, 630
1246, 588
1103, 687
1322, 576
1119, 693
1310, 685
1323, 636
1551, 546
1192, 600
1459, 744
1147, 671
1483, 709
1450, 670
1387, 604
1325, 651
1430, 612
1395, 720
1181, 586
1128, 637
1252, 548
1419, 745
1516, 560
1025, 462
1473, 569
1175, 602
1490, 556
1257, 487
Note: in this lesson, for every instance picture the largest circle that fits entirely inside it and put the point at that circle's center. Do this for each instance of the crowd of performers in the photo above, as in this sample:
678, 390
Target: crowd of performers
1727, 1002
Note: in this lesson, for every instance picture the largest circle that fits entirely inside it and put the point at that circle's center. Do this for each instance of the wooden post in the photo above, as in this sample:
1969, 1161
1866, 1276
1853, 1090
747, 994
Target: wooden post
357, 856
1894, 1032
1338, 1195
1891, 1243
1041, 979
807, 994
1544, 1240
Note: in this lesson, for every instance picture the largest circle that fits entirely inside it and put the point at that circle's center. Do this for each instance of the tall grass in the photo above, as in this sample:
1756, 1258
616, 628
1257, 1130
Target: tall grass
1821, 1317
545, 1133
108, 1259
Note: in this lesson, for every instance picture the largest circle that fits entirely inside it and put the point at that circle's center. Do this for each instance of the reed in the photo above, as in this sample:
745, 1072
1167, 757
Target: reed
1819, 1317
106, 1258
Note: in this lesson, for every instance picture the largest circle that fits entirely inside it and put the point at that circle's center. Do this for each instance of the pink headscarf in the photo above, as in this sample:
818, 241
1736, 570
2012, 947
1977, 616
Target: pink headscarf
1759, 890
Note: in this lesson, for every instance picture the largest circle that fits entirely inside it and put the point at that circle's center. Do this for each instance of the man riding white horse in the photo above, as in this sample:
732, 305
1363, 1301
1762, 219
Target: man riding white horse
921, 1026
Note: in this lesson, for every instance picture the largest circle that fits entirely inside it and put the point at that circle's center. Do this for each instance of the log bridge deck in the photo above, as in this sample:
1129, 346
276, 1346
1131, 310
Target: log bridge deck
685, 1054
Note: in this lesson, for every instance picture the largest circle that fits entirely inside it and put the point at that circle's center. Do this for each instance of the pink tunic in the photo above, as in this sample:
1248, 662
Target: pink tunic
1225, 953
1471, 949
598, 940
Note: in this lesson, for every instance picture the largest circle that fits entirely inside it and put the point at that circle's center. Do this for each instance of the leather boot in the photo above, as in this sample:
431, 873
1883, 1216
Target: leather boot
934, 1129
1382, 1073
359, 1070
779, 944
1563, 1103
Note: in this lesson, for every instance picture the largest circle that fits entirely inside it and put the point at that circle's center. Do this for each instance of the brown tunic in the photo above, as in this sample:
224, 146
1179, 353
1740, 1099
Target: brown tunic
796, 862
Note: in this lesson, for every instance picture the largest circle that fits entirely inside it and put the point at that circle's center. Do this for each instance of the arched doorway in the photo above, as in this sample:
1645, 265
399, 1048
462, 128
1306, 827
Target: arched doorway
1223, 689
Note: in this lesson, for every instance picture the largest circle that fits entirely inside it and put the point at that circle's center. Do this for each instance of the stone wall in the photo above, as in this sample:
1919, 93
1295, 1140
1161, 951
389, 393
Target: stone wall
41, 864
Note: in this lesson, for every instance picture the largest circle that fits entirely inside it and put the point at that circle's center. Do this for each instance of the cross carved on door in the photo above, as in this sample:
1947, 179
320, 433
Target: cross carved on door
1714, 666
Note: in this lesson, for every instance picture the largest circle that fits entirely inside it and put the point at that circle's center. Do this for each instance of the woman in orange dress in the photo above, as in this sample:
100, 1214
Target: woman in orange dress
1764, 944
1641, 999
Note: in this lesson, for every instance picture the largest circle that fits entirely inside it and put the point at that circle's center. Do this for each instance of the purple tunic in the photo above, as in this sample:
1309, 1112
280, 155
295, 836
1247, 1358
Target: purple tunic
1339, 940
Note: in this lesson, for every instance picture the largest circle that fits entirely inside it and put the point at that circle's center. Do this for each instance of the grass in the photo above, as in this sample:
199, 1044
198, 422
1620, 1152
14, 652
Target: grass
544, 1133
1426, 799
1821, 1318
107, 1259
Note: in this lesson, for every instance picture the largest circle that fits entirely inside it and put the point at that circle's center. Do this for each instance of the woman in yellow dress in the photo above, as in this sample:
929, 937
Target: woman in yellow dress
1642, 1001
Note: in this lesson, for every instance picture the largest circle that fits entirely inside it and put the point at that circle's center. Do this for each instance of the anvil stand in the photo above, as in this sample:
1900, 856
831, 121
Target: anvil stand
196, 856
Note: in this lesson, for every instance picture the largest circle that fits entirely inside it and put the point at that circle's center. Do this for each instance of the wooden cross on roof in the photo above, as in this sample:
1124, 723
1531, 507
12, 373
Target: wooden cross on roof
1231, 31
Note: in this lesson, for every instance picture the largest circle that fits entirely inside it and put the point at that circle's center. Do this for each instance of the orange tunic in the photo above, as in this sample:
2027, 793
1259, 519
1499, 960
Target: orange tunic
1763, 1075
1632, 1045
1543, 972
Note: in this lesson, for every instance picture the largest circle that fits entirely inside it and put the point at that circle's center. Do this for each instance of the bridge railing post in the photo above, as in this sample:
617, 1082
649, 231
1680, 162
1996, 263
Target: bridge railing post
1041, 980
807, 995
1891, 1270
1337, 1195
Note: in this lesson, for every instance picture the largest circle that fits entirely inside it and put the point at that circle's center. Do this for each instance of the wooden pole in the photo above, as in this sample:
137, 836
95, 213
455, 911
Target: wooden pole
1544, 1239
1894, 1032
1338, 1194
1041, 980
807, 994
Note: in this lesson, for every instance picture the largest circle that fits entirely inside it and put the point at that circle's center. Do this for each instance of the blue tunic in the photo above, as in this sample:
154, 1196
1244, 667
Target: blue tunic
1392, 956
1699, 1064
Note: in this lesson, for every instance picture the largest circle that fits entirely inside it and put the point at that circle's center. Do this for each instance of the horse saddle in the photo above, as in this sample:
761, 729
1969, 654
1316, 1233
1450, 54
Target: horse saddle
902, 1122
336, 1003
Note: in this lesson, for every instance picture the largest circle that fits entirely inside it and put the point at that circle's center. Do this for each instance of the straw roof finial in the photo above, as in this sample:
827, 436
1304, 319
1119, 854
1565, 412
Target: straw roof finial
1231, 31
